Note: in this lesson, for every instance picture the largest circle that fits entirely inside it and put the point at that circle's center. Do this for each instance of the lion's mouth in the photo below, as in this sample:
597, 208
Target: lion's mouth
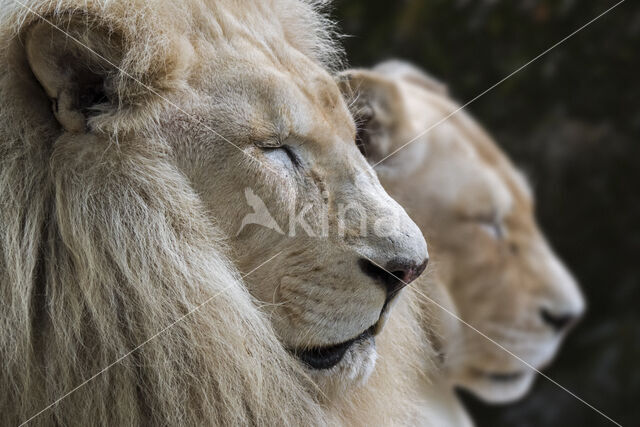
329, 356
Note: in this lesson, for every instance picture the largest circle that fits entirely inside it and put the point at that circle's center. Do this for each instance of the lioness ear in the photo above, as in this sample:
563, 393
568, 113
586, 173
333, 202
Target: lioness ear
76, 77
368, 89
375, 103
398, 69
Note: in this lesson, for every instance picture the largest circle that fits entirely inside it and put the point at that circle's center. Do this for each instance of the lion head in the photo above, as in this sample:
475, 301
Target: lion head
131, 135
283, 147
477, 211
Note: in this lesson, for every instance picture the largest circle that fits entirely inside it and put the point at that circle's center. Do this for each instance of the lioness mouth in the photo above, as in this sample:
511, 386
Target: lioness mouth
329, 356
499, 377
507, 377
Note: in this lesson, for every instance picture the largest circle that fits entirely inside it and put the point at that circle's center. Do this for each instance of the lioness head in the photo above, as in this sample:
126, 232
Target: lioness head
248, 111
478, 213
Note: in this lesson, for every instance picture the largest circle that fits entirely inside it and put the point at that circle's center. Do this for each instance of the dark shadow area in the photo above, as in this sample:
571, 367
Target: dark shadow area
571, 120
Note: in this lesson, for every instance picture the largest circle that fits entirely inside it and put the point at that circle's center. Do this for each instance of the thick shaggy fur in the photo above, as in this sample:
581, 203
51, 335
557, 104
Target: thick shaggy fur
102, 249
107, 245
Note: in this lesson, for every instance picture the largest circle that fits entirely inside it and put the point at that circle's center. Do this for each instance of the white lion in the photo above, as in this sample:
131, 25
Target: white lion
129, 133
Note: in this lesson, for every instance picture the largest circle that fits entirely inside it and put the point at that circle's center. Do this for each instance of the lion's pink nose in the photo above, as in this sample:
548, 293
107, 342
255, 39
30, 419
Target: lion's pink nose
408, 272
395, 275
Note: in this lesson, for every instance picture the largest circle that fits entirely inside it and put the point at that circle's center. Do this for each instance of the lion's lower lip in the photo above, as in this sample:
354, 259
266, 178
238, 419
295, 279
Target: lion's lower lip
329, 356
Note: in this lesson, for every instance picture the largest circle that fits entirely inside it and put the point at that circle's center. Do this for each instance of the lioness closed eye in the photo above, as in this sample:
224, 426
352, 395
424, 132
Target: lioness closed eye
478, 213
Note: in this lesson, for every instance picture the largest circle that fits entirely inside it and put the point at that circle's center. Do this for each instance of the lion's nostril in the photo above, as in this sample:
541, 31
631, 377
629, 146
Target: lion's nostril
412, 271
395, 275
557, 321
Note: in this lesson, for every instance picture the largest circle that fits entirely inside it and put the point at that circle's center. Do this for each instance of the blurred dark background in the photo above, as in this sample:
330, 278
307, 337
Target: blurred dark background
571, 121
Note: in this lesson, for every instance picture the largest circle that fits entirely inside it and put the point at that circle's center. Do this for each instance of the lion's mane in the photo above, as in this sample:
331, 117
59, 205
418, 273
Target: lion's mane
105, 249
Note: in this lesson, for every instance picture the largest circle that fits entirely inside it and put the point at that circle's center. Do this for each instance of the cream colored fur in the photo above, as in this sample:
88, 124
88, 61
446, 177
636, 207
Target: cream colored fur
476, 209
105, 243
122, 191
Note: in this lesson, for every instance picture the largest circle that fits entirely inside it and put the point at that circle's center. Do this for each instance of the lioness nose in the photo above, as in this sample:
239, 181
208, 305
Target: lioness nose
557, 321
395, 275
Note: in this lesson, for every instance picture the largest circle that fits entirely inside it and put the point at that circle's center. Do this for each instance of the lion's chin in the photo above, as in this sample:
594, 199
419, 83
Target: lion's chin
353, 369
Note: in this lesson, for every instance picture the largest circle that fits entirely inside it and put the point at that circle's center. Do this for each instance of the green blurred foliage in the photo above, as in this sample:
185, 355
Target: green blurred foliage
571, 120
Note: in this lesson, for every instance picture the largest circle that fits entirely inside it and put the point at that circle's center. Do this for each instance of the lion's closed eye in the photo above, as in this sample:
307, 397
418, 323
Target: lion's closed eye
283, 155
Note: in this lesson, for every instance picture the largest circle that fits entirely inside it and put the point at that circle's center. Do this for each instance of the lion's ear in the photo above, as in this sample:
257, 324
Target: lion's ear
76, 71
